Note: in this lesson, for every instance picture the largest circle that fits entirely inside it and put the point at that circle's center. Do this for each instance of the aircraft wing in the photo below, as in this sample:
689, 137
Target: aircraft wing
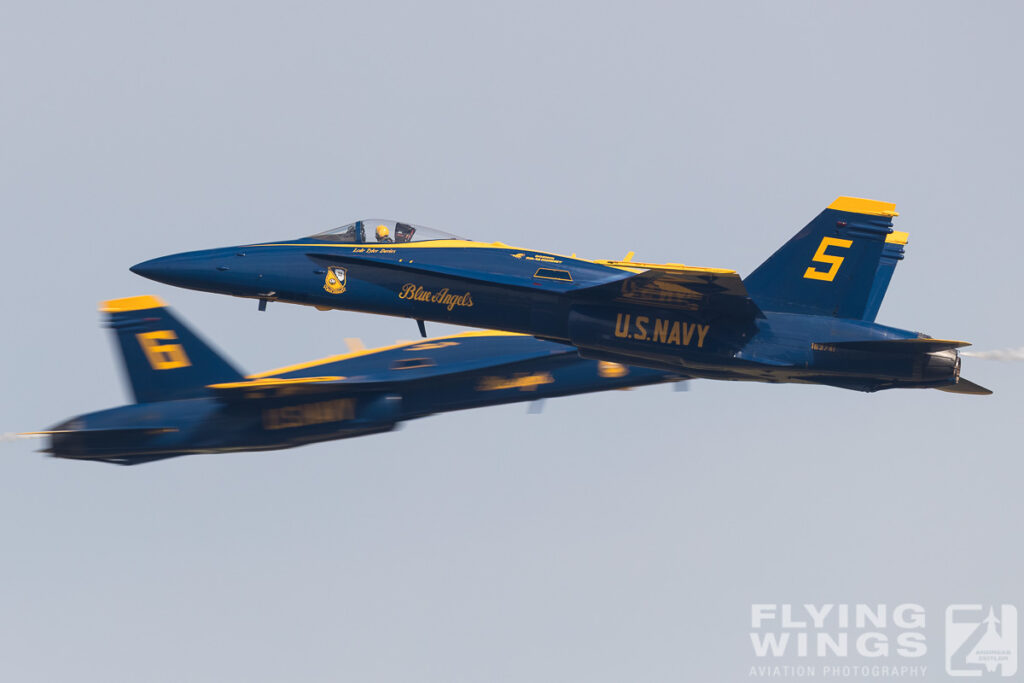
105, 431
681, 287
401, 366
276, 387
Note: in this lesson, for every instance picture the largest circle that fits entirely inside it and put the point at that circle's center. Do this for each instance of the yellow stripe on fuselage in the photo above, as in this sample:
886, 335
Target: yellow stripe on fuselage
628, 266
272, 382
426, 244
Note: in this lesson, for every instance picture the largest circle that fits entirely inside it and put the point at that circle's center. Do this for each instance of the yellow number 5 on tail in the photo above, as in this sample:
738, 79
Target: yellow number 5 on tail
163, 356
833, 262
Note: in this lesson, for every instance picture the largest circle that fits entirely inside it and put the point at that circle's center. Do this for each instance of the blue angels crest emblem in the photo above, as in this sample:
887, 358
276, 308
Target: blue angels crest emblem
334, 283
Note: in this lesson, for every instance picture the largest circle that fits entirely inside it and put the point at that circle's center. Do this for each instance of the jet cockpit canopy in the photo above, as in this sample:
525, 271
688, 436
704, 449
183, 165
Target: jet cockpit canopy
382, 232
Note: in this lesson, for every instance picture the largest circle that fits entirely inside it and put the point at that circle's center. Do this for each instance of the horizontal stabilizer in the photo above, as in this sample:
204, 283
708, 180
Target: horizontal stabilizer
103, 430
70, 441
965, 386
916, 345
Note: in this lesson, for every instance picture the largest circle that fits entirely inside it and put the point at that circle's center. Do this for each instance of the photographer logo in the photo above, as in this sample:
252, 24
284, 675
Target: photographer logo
981, 640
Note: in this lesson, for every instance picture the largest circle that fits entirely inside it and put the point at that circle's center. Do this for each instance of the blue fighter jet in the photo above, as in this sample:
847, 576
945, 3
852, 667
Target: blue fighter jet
806, 315
189, 399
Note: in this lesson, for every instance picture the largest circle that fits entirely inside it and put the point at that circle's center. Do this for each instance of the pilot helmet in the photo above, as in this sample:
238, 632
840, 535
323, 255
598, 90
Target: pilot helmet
382, 232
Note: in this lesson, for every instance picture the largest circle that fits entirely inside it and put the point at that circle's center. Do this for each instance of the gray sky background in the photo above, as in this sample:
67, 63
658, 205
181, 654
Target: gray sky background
615, 537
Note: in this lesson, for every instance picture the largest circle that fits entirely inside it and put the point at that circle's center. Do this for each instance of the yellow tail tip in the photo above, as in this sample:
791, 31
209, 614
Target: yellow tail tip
871, 207
131, 303
897, 237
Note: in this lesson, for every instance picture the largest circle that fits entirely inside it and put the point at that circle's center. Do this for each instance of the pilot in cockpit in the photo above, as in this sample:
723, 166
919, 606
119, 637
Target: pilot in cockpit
383, 234
404, 232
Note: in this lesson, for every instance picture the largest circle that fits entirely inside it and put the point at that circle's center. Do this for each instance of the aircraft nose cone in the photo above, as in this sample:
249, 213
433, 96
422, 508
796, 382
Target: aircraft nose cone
154, 269
203, 270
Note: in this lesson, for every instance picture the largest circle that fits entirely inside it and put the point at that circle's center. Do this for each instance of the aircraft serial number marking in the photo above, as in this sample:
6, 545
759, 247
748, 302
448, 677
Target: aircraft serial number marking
163, 356
662, 332
442, 296
322, 412
833, 262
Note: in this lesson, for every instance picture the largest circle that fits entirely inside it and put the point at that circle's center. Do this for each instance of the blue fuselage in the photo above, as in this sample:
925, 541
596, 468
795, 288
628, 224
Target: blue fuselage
393, 385
574, 301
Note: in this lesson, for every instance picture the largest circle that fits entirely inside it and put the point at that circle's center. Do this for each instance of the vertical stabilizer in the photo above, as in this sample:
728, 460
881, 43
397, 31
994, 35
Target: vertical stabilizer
162, 357
838, 265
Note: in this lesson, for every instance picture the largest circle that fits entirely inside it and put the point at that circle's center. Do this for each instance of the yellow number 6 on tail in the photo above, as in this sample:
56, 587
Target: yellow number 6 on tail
163, 356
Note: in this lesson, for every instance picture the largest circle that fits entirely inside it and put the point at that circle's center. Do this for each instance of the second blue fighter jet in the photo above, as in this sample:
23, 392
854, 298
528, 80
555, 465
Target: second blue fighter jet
190, 399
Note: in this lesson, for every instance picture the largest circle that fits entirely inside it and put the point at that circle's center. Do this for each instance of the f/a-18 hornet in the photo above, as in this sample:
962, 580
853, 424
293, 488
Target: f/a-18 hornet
806, 315
189, 399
